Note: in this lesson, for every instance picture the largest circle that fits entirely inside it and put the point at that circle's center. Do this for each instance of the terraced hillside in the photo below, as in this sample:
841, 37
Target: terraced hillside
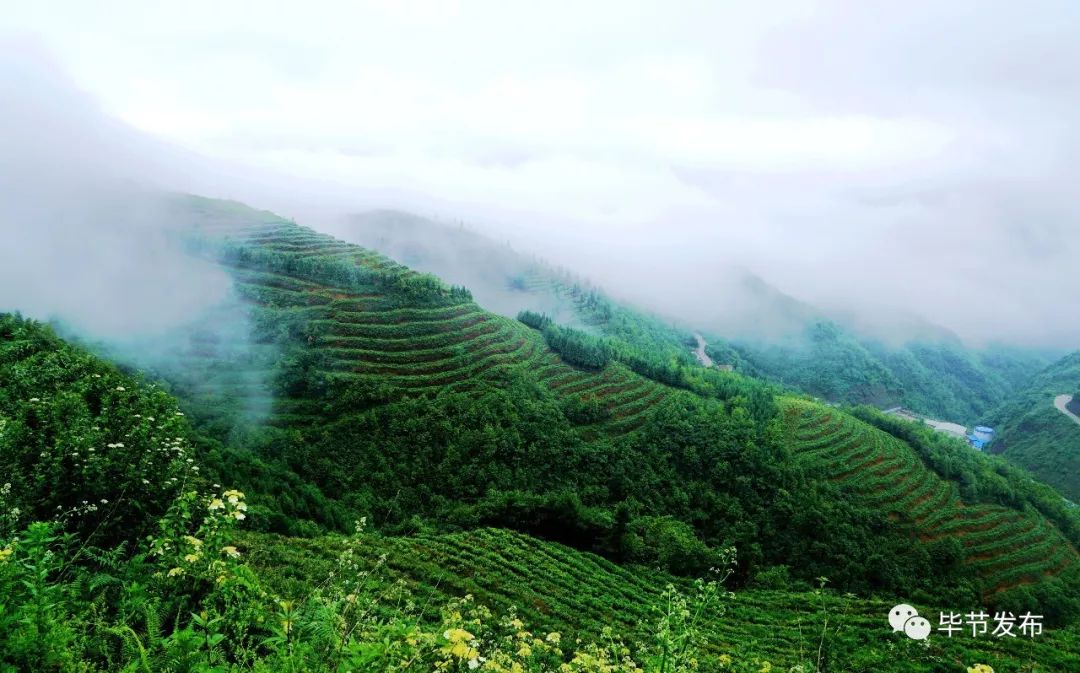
1008, 548
748, 323
381, 324
555, 588
508, 281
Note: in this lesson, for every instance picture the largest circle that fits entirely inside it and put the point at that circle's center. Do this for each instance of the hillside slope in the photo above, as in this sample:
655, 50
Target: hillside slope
1008, 547
1032, 433
124, 444
761, 331
556, 588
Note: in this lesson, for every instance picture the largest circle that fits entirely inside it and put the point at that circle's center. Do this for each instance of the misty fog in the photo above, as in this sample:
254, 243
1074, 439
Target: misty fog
906, 166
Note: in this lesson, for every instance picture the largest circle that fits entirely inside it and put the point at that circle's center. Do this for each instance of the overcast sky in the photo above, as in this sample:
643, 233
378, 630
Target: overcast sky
918, 156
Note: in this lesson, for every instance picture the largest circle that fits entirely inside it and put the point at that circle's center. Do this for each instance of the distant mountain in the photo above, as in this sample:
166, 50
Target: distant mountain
1035, 434
937, 378
758, 329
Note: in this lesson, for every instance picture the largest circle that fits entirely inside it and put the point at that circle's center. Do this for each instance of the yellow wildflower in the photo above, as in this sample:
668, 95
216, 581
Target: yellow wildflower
193, 541
5, 554
554, 637
230, 551
239, 516
216, 503
980, 668
460, 640
524, 651
191, 558
462, 651
176, 571
457, 635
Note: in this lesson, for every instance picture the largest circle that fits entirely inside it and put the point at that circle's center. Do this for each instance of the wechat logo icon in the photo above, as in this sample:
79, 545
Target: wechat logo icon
905, 618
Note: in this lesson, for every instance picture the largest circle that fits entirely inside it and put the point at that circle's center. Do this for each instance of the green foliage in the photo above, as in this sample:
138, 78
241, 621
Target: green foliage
980, 478
1013, 532
670, 544
81, 442
935, 377
410, 289
1038, 437
576, 347
199, 595
584, 350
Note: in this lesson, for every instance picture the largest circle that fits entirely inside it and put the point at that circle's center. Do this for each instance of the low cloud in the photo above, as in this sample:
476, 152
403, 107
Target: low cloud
911, 159
82, 218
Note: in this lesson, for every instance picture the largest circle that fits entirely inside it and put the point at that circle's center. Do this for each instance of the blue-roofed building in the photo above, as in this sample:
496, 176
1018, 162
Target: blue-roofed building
981, 436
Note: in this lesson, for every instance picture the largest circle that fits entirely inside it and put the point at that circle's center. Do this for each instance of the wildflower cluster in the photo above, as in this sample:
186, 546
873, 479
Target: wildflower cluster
101, 455
472, 639
196, 536
9, 514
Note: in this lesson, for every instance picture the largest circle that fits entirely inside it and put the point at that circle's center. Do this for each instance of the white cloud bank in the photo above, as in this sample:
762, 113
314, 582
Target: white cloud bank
876, 155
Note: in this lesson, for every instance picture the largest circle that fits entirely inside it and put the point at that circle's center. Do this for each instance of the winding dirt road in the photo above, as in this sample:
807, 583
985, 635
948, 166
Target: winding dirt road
1060, 401
699, 352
